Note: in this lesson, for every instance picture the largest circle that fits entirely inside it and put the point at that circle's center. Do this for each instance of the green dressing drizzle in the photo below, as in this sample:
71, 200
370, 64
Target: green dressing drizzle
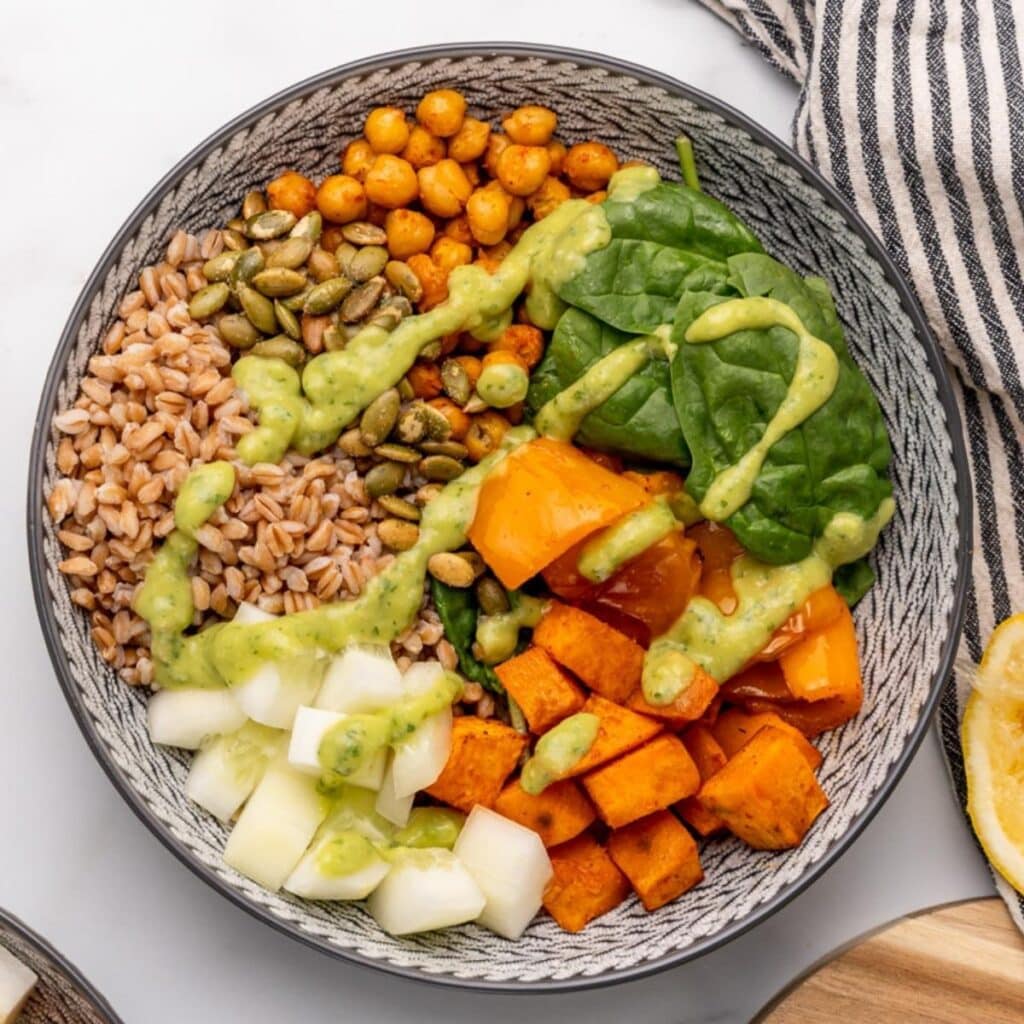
558, 751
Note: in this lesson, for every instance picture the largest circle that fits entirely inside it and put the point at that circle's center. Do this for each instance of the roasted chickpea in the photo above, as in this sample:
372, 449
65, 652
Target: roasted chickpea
496, 145
341, 198
444, 188
433, 280
487, 211
293, 192
391, 182
458, 228
589, 165
557, 151
357, 159
516, 209
450, 342
498, 252
633, 163
376, 214
485, 434
530, 125
330, 239
472, 173
409, 232
472, 366
425, 380
522, 169
597, 197
449, 254
551, 194
470, 141
386, 129
423, 149
457, 419
525, 341
442, 112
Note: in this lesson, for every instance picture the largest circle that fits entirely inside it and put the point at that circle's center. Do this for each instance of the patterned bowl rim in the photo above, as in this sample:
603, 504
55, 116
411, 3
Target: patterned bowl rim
43, 948
426, 54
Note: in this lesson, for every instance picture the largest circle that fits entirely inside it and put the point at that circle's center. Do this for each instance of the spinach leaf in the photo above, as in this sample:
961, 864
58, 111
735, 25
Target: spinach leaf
637, 420
853, 581
726, 391
458, 610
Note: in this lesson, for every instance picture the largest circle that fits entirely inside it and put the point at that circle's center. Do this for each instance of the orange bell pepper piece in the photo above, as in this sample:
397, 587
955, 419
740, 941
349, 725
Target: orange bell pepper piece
824, 663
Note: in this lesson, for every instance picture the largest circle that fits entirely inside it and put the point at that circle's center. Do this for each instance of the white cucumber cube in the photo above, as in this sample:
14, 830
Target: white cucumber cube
308, 730
16, 984
250, 614
394, 808
317, 878
184, 718
275, 692
421, 758
361, 679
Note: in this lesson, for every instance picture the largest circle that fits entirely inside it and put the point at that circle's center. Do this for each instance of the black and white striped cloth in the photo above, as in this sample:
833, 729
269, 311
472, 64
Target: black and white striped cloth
914, 109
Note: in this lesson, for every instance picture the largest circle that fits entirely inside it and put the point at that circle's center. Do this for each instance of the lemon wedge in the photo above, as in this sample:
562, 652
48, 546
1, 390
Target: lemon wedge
993, 741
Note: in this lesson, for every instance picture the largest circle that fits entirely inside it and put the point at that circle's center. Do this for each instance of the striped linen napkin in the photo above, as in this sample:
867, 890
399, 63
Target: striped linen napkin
914, 109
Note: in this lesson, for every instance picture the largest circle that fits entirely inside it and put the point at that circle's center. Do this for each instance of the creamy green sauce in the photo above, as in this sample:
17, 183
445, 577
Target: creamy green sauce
621, 542
498, 635
503, 384
814, 379
627, 184
558, 751
431, 827
345, 854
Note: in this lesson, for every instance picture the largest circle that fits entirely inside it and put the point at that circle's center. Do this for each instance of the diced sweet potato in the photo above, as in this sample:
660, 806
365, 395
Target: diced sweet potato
735, 728
649, 779
603, 658
824, 664
687, 707
542, 690
767, 794
482, 757
708, 756
620, 731
586, 883
560, 813
658, 856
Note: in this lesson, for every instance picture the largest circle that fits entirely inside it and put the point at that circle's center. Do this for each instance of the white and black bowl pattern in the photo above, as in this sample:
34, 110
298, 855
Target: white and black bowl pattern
907, 625
62, 995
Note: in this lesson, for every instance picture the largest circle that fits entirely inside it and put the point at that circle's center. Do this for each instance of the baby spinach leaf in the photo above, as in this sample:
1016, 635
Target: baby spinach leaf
637, 420
853, 581
458, 610
725, 393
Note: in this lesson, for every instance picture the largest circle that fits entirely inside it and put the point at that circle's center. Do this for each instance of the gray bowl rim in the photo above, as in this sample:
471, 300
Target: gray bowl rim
66, 967
648, 76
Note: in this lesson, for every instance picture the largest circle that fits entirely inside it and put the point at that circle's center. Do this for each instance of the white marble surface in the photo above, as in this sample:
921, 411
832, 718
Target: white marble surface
96, 102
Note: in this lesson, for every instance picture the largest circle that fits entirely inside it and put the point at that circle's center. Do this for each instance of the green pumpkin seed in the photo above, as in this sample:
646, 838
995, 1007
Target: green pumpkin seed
362, 232
405, 389
379, 417
397, 453
412, 424
450, 448
361, 300
247, 266
334, 338
309, 227
278, 282
474, 405
441, 468
397, 534
351, 443
208, 300
237, 224
431, 350
368, 262
402, 277
236, 330
326, 295
455, 381
450, 569
258, 308
438, 427
288, 320
427, 493
295, 303
384, 478
234, 241
270, 224
324, 265
219, 267
399, 507
399, 302
281, 347
491, 596
386, 319
252, 204
344, 254
291, 253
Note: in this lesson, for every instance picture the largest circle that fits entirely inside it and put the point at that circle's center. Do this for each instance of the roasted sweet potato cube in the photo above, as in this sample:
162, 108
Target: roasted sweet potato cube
708, 756
585, 885
658, 856
687, 707
767, 793
649, 779
482, 757
735, 728
604, 659
559, 813
542, 690
620, 731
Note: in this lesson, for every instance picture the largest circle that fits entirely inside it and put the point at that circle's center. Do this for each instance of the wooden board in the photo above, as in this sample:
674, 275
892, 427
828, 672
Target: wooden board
957, 964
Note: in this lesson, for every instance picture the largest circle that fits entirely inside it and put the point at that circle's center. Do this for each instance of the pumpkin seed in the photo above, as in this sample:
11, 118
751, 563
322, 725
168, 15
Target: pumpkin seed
450, 569
403, 278
247, 266
236, 224
208, 300
441, 468
236, 330
351, 443
343, 254
278, 282
427, 493
270, 224
252, 204
234, 241
450, 448
334, 338
361, 300
397, 534
326, 295
379, 417
399, 507
294, 303
476, 562
431, 350
386, 318
258, 308
219, 267
309, 227
324, 265
281, 347
362, 232
474, 405
288, 320
397, 452
412, 424
438, 427
491, 596
368, 262
455, 381
405, 389
399, 302
384, 478
291, 253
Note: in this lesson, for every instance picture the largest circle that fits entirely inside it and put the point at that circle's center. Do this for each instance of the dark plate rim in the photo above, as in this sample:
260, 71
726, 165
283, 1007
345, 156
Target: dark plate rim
44, 949
936, 363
